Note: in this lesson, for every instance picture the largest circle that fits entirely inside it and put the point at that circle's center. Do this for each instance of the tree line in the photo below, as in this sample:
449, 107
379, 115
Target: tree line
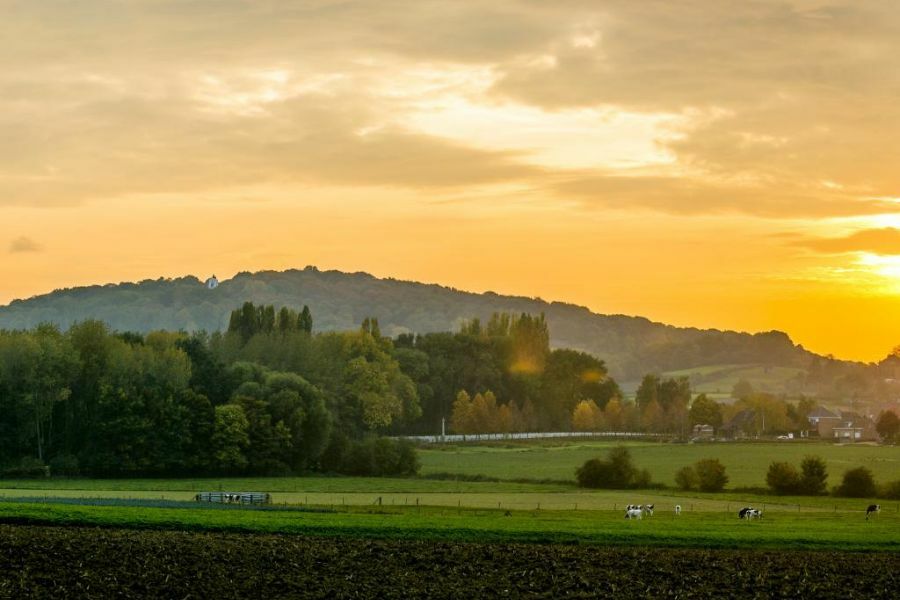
270, 395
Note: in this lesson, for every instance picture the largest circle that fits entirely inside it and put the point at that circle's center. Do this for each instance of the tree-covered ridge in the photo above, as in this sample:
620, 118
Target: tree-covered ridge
630, 346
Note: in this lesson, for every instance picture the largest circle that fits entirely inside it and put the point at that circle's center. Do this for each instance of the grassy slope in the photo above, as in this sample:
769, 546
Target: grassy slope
717, 381
842, 530
746, 464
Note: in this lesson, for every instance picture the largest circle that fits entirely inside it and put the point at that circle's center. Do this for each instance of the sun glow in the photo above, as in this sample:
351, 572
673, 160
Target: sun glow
886, 266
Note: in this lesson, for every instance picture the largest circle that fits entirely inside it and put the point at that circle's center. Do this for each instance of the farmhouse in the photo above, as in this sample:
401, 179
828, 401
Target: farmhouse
854, 428
821, 414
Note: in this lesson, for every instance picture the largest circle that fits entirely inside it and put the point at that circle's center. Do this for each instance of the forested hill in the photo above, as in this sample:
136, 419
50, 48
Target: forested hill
631, 346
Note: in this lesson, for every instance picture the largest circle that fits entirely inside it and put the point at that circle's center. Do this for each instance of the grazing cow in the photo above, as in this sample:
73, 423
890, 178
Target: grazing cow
873, 508
744, 512
647, 510
677, 509
754, 513
634, 513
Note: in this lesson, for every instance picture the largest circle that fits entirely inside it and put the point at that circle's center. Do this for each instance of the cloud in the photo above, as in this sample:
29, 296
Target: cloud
802, 92
875, 241
24, 244
734, 107
692, 195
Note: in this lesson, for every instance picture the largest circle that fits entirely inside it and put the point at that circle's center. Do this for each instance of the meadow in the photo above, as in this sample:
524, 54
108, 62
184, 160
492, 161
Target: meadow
544, 504
708, 529
746, 462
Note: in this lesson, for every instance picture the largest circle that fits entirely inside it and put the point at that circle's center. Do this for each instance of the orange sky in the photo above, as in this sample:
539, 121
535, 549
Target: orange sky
715, 164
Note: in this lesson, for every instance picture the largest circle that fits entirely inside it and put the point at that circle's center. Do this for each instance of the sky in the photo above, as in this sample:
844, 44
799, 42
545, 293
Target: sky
724, 164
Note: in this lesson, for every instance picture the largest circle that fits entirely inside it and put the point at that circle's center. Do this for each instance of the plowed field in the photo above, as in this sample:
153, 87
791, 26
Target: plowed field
57, 562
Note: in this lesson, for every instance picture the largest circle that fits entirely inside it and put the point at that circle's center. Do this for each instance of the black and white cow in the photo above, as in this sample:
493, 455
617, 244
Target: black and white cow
872, 509
748, 512
648, 510
677, 509
634, 513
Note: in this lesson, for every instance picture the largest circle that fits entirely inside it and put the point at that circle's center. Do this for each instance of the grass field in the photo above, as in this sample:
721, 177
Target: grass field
458, 510
746, 463
484, 495
806, 530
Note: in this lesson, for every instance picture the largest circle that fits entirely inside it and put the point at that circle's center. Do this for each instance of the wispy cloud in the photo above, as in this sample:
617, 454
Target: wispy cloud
737, 108
874, 241
24, 244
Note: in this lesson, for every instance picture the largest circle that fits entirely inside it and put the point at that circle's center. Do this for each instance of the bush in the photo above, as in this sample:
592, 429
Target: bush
372, 457
857, 483
617, 472
408, 459
686, 478
359, 459
814, 478
711, 475
642, 479
28, 468
592, 474
891, 490
783, 479
335, 453
64, 464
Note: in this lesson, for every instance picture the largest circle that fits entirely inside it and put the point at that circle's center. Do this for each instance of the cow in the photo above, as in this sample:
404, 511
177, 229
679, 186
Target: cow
634, 513
754, 513
744, 513
872, 509
647, 510
677, 509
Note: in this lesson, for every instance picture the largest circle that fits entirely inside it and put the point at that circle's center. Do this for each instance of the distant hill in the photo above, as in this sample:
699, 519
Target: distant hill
631, 346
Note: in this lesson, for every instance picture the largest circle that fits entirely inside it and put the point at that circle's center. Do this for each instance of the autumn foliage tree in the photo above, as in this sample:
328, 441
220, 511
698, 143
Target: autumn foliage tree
587, 416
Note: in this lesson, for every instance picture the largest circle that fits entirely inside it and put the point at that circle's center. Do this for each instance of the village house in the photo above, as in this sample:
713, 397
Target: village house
822, 420
854, 428
844, 427
703, 432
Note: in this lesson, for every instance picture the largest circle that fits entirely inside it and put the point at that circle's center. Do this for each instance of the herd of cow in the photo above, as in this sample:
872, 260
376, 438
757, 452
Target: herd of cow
637, 511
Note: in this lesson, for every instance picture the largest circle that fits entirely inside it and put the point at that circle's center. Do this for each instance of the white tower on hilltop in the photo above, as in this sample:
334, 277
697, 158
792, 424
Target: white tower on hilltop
212, 283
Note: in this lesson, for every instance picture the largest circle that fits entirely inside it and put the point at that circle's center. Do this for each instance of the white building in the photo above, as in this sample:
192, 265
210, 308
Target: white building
212, 283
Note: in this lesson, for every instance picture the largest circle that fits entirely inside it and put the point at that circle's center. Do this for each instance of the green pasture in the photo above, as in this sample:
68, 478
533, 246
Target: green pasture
746, 462
841, 530
718, 380
349, 491
313, 484
574, 499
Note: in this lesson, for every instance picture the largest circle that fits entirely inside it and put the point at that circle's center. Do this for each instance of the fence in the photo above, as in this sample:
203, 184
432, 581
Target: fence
538, 435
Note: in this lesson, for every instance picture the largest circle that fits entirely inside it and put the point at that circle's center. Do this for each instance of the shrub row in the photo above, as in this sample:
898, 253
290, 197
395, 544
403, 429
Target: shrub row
371, 456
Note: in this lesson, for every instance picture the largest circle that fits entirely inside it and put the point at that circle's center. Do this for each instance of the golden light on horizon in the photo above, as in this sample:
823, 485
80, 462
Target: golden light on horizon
709, 165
